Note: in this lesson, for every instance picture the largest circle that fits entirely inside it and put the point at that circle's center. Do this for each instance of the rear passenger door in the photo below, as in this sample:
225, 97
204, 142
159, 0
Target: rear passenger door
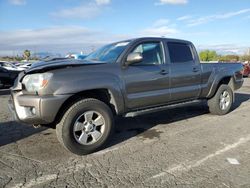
185, 71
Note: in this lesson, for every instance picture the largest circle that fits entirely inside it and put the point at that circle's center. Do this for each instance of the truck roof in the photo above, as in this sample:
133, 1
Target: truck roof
162, 38
153, 38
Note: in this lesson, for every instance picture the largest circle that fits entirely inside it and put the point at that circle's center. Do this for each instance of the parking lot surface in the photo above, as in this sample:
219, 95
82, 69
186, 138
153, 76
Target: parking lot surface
182, 147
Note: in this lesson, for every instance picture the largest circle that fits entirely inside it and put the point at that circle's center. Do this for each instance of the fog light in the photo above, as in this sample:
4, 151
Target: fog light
33, 110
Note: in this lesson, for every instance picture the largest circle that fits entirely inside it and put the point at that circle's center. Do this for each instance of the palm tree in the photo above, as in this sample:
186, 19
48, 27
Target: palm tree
26, 54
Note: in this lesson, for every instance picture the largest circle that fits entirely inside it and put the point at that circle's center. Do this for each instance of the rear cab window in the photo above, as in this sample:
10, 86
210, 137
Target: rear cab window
180, 52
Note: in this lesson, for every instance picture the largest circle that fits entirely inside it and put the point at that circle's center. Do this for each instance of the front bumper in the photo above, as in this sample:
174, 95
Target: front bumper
238, 84
34, 109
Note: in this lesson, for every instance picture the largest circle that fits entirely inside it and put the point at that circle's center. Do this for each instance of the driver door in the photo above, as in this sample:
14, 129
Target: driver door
147, 82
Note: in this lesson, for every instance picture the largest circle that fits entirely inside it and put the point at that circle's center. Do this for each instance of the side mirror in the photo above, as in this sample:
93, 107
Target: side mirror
134, 57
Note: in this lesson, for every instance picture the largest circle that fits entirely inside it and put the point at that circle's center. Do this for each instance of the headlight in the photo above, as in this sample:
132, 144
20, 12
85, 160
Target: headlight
35, 82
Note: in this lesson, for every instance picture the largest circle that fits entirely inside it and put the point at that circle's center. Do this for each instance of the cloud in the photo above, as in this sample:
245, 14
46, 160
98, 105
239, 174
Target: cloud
224, 48
83, 11
103, 2
160, 28
247, 17
58, 39
173, 2
186, 17
160, 22
210, 18
17, 2
162, 31
65, 39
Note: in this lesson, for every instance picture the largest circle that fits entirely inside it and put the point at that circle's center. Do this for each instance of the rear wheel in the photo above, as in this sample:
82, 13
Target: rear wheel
222, 101
85, 127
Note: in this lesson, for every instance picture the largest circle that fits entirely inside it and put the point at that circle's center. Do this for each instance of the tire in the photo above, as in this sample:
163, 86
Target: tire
85, 127
222, 101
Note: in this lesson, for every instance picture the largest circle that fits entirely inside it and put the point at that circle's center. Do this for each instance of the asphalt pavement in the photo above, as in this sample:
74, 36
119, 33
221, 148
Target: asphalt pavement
182, 147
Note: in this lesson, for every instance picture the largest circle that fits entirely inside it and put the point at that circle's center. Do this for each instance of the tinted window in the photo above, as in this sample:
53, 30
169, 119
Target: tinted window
179, 52
151, 53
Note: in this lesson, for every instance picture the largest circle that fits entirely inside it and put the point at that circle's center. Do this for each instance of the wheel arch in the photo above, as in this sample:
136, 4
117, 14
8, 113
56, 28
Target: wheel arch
226, 80
103, 94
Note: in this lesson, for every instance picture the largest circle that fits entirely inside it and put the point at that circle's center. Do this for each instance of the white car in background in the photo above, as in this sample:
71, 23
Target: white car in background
24, 66
10, 66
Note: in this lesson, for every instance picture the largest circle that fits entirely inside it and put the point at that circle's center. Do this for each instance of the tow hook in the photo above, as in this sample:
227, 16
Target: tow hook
36, 126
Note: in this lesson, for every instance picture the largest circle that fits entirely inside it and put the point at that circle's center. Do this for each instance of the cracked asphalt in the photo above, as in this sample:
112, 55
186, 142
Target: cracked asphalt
181, 147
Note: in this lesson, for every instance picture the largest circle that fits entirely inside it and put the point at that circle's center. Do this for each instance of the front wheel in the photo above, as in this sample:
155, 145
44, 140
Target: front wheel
85, 127
222, 101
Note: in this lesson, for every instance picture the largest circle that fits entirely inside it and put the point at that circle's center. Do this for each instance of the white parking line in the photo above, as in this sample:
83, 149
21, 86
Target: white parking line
71, 169
105, 151
187, 166
37, 181
40, 180
159, 175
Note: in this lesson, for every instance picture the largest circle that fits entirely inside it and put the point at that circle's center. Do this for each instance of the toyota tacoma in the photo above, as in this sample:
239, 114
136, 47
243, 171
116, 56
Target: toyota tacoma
80, 98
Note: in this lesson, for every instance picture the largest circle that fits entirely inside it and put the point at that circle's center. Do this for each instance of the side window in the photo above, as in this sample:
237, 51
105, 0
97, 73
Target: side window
151, 52
180, 52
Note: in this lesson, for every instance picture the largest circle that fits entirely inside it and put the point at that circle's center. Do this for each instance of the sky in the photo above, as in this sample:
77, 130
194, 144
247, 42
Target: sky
66, 26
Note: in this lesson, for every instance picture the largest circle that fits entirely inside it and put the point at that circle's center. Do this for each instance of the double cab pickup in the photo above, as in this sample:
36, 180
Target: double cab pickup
80, 98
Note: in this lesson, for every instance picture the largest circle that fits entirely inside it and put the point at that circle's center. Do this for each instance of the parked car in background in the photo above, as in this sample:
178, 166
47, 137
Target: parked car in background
24, 66
76, 56
7, 77
246, 71
47, 59
10, 66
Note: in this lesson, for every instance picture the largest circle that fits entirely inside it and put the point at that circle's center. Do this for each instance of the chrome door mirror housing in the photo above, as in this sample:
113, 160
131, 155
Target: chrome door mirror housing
134, 57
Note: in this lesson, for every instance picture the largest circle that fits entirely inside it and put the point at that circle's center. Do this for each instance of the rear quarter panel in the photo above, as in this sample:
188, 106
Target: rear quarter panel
213, 73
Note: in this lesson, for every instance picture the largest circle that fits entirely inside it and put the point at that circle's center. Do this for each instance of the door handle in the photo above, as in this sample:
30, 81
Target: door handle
164, 72
195, 69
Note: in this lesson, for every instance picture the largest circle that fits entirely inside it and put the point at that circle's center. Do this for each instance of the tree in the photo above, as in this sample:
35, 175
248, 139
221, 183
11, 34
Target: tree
208, 55
229, 58
245, 58
26, 54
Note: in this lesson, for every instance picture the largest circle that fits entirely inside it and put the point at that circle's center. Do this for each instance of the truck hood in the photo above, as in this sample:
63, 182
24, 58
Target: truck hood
44, 66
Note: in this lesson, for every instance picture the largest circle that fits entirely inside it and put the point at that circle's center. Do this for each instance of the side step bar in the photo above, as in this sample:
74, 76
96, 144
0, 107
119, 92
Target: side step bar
160, 108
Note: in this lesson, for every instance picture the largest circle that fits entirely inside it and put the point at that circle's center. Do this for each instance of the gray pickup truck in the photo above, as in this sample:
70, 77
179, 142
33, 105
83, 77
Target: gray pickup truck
81, 97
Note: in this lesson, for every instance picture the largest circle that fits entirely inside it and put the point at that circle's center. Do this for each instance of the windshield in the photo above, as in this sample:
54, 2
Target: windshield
108, 53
